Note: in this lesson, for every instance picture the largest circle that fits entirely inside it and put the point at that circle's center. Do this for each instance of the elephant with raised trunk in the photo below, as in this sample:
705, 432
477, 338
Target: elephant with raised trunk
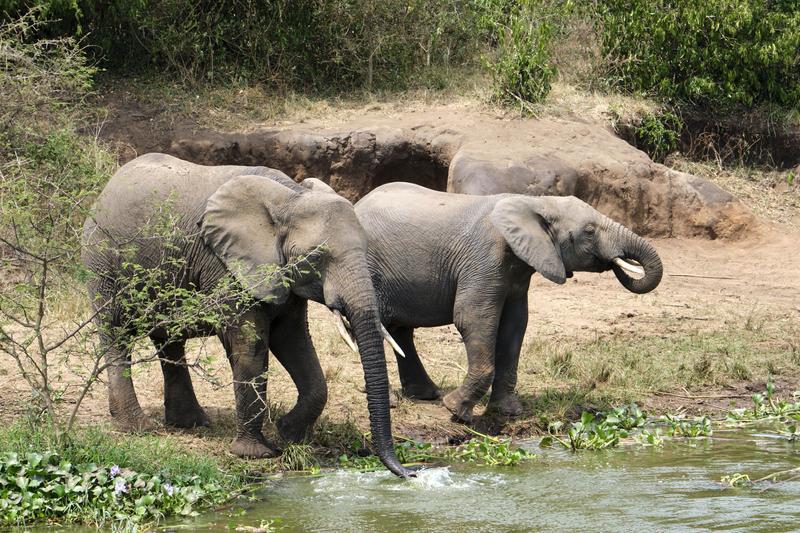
441, 258
233, 221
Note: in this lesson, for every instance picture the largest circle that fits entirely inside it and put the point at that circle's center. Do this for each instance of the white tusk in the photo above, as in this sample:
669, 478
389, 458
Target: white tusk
395, 346
337, 318
629, 267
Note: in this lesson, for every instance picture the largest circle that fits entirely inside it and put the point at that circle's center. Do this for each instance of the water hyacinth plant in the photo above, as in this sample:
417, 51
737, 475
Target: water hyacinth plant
597, 431
43, 487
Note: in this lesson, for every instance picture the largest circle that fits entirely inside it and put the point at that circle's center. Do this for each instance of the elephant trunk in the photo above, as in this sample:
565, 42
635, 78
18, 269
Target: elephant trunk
359, 304
638, 249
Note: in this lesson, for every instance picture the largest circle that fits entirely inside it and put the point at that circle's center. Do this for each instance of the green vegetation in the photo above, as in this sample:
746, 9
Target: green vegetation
691, 427
713, 51
596, 431
719, 51
98, 479
523, 69
766, 406
42, 486
482, 450
658, 134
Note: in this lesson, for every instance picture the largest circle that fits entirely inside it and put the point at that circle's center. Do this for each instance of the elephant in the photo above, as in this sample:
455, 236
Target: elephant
234, 221
440, 258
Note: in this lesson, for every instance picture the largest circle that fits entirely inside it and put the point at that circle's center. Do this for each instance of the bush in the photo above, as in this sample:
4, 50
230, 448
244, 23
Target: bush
658, 134
318, 44
705, 51
523, 69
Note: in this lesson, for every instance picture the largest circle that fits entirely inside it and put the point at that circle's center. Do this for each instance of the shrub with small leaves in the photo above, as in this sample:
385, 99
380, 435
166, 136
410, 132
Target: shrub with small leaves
658, 134
715, 51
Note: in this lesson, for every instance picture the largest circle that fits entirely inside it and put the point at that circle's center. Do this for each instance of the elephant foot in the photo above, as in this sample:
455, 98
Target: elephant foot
291, 430
424, 391
134, 424
253, 448
462, 410
130, 419
186, 418
509, 406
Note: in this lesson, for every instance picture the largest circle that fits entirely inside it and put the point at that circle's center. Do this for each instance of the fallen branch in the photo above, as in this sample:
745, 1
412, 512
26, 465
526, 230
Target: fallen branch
703, 396
699, 276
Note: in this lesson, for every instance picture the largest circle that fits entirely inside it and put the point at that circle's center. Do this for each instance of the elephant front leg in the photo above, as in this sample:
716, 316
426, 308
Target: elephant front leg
511, 332
181, 408
478, 328
247, 352
413, 377
122, 401
291, 344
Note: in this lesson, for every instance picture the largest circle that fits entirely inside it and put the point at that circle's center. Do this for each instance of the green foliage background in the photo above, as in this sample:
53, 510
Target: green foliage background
707, 51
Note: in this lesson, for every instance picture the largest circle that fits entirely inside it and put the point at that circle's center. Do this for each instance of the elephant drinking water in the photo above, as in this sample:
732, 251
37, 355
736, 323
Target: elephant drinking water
233, 222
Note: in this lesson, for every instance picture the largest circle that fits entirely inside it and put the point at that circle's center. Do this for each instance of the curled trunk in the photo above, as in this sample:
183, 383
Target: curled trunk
635, 248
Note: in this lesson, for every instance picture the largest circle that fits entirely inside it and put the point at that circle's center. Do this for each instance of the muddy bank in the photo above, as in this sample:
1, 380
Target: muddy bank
471, 152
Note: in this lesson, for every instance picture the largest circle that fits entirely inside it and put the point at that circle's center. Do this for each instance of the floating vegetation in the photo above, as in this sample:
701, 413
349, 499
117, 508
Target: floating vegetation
683, 426
483, 450
605, 429
766, 407
43, 487
490, 451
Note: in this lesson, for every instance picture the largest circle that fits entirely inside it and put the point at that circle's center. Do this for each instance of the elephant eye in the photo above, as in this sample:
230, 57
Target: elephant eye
589, 229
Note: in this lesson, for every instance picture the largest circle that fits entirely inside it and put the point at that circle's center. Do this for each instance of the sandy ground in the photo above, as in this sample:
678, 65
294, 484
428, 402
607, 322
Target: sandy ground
708, 286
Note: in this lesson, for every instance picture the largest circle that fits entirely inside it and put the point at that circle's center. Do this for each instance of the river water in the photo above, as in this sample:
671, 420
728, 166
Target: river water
674, 487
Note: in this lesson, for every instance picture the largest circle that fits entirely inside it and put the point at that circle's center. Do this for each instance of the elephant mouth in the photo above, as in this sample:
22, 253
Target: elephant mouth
346, 332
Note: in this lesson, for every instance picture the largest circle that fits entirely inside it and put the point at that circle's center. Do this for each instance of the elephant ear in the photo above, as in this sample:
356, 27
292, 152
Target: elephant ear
521, 223
317, 185
239, 225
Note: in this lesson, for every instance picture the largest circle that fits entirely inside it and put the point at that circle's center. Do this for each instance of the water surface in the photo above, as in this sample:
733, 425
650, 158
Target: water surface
675, 487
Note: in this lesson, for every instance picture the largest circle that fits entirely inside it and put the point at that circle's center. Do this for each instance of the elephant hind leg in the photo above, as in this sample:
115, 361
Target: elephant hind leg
477, 320
291, 344
181, 408
416, 382
513, 323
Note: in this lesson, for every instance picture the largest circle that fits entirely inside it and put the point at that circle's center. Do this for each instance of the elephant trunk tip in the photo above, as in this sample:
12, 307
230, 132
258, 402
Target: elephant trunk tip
638, 268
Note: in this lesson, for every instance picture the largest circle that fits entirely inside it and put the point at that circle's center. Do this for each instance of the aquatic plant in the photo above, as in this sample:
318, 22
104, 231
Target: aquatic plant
766, 406
650, 438
490, 451
43, 486
482, 450
597, 431
683, 426
408, 451
736, 480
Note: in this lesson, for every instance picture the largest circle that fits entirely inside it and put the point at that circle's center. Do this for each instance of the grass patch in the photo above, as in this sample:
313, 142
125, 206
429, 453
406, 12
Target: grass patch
642, 365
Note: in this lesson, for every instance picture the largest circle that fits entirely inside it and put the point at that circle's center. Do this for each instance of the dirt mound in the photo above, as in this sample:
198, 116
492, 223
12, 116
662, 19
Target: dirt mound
470, 152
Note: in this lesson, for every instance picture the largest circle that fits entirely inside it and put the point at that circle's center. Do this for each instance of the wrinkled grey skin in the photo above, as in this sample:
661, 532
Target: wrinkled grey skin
441, 258
237, 219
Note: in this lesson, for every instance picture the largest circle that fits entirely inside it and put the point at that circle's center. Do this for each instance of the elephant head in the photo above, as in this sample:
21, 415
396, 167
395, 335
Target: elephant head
252, 222
561, 235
